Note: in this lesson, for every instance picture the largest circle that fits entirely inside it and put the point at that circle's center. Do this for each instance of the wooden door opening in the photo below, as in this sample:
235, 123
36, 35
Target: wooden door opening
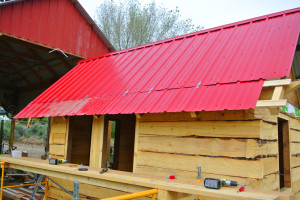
79, 141
284, 153
118, 147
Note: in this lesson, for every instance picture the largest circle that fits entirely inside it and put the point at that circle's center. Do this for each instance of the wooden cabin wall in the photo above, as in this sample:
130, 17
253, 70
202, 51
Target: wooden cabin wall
230, 144
58, 144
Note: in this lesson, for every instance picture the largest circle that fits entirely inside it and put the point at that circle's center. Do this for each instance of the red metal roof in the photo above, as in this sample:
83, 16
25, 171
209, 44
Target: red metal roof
215, 69
55, 23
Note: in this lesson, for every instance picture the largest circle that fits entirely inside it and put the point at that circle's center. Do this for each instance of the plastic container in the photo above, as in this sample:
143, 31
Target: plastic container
16, 154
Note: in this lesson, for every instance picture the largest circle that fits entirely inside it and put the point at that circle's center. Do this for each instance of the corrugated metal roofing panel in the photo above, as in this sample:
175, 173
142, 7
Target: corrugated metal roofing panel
223, 59
55, 23
232, 96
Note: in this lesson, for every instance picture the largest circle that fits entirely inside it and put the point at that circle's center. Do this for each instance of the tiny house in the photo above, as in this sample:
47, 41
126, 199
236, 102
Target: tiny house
225, 99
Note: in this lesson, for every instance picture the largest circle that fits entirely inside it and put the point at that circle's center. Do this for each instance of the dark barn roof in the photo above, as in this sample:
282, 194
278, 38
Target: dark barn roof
215, 69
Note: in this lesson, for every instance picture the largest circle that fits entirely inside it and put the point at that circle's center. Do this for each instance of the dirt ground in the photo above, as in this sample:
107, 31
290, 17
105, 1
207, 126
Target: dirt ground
34, 150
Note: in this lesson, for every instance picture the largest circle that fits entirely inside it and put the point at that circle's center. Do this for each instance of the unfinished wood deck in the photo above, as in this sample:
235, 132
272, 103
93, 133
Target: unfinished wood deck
129, 182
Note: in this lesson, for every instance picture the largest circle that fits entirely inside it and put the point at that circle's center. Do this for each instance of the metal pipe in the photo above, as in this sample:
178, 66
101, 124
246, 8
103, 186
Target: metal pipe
29, 184
76, 191
134, 195
153, 197
46, 188
2, 177
67, 191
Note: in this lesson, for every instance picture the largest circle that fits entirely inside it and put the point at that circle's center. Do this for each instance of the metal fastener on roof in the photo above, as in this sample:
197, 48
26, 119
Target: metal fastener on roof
125, 93
151, 89
198, 84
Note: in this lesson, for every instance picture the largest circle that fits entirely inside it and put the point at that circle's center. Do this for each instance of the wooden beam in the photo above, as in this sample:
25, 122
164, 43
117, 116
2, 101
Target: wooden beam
292, 87
271, 103
139, 116
193, 114
278, 93
128, 182
280, 82
97, 142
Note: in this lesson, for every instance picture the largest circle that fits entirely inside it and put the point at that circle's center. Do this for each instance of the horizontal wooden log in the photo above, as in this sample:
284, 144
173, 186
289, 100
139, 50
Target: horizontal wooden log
294, 135
295, 161
294, 148
233, 129
294, 123
57, 149
222, 166
231, 115
268, 183
241, 148
58, 138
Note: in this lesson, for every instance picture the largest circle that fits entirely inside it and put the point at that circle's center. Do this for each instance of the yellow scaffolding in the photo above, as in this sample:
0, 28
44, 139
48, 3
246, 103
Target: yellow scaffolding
12, 186
152, 192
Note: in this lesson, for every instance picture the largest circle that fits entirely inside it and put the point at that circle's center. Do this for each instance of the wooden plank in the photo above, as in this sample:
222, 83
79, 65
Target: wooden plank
295, 148
128, 182
268, 183
292, 87
86, 190
295, 161
57, 149
294, 123
215, 165
203, 115
232, 129
97, 142
271, 103
136, 143
278, 93
58, 138
270, 83
249, 148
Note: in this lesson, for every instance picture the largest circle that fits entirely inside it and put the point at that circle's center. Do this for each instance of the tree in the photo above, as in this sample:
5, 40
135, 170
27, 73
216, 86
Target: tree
128, 24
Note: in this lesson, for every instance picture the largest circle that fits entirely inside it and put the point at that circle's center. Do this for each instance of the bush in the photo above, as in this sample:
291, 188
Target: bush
37, 130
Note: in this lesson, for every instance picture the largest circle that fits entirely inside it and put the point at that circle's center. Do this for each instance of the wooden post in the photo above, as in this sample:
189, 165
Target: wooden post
1, 135
12, 134
136, 142
97, 142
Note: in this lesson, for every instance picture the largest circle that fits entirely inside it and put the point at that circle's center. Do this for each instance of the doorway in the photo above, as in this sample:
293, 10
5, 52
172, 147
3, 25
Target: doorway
79, 141
284, 153
118, 147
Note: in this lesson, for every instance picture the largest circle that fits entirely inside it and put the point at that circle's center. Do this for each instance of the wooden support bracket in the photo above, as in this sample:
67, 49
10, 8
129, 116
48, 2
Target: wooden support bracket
279, 82
292, 87
139, 116
271, 103
193, 114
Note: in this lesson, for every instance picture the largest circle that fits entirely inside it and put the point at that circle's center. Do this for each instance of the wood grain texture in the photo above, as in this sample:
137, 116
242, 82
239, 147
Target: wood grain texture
239, 148
97, 142
222, 166
229, 129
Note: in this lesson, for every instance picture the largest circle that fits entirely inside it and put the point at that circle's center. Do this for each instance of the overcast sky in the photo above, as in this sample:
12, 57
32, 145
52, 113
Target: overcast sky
211, 13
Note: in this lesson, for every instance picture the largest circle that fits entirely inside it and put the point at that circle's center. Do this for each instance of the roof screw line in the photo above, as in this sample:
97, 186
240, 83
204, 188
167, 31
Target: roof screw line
125, 93
151, 89
198, 84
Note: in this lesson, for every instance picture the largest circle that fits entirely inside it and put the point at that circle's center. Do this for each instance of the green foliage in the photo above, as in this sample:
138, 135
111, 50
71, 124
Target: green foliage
38, 130
128, 24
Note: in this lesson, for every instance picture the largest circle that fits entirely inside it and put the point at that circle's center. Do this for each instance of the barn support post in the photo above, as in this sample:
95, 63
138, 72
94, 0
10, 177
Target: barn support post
12, 134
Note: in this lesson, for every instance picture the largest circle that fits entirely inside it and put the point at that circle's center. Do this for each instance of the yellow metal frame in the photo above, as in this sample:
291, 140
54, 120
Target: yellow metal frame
152, 192
12, 186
